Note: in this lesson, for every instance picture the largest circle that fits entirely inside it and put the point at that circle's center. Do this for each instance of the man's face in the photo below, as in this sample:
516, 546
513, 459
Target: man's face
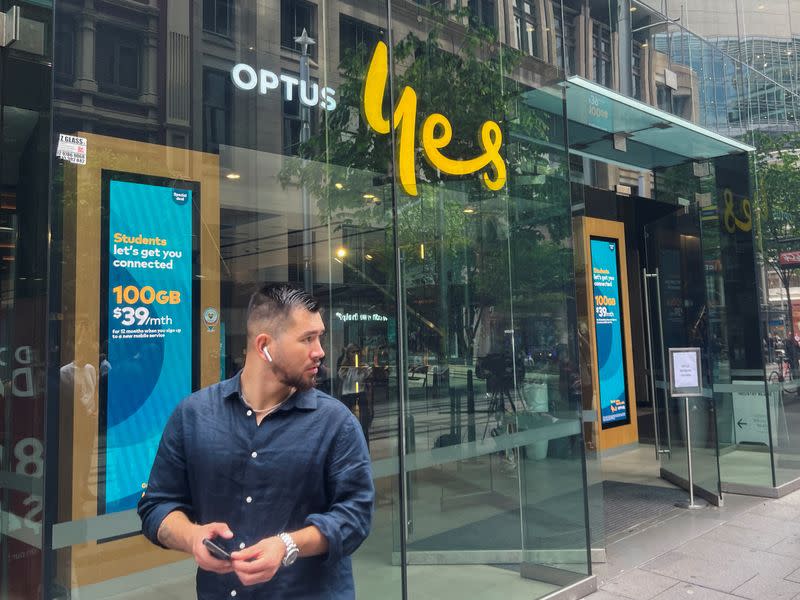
297, 351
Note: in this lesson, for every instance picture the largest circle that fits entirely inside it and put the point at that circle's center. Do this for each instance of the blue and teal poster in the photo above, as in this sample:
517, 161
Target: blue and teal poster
148, 365
608, 332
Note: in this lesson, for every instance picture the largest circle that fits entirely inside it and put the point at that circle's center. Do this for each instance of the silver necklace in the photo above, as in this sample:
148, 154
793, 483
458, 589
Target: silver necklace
271, 409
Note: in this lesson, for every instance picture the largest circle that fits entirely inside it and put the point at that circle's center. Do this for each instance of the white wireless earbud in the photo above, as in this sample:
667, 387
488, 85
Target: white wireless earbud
267, 355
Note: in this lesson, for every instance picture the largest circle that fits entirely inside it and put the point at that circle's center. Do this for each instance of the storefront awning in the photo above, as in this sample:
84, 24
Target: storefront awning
653, 138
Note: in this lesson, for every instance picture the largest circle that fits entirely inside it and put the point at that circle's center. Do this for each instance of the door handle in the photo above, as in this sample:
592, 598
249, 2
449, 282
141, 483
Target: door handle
668, 449
653, 392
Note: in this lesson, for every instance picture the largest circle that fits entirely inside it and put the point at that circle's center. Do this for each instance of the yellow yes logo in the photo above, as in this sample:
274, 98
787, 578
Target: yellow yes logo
436, 132
729, 218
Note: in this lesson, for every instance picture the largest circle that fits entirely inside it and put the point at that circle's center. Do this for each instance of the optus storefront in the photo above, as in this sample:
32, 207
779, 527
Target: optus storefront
505, 249
161, 161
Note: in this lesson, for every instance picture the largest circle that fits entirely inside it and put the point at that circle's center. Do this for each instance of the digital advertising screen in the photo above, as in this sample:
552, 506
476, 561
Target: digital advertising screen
147, 355
609, 338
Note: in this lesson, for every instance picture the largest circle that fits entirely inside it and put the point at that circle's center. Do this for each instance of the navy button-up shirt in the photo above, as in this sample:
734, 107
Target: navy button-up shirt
306, 464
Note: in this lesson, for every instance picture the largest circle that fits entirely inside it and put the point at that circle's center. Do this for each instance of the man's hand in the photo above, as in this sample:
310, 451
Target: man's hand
201, 554
260, 562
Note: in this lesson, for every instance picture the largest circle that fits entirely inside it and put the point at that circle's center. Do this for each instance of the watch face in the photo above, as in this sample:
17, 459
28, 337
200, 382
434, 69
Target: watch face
291, 556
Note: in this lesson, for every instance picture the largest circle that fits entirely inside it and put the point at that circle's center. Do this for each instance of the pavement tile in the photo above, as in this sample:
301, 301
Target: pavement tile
700, 571
740, 536
794, 576
639, 585
603, 595
765, 586
761, 523
776, 510
716, 551
791, 500
686, 591
787, 547
767, 563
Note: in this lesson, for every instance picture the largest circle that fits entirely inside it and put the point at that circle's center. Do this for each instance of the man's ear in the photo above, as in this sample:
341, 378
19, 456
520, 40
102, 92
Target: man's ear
261, 341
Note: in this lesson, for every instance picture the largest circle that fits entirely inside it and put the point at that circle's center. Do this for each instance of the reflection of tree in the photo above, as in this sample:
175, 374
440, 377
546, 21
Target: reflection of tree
777, 208
465, 228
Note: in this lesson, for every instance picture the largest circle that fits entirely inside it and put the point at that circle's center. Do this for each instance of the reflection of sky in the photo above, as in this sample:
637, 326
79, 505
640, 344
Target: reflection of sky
721, 106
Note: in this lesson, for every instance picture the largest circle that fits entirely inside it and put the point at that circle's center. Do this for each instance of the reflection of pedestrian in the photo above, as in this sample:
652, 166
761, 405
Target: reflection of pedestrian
353, 375
83, 380
79, 387
324, 380
379, 376
792, 349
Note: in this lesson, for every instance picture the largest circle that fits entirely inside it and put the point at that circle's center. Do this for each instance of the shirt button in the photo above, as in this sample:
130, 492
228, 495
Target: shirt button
249, 414
233, 592
241, 546
249, 499
254, 454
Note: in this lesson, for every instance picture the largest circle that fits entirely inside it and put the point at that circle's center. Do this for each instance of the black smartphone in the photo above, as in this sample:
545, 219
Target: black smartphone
215, 550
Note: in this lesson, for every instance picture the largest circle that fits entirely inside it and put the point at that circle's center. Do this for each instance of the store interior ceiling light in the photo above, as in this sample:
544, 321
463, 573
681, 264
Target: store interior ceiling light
233, 176
655, 138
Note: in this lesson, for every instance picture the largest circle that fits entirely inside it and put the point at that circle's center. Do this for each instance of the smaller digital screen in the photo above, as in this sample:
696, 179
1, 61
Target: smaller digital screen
608, 332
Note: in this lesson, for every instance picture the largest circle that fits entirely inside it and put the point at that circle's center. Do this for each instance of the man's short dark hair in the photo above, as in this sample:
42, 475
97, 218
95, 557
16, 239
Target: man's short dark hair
273, 303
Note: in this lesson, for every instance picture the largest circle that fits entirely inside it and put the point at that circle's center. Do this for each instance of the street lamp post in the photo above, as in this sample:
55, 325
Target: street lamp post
305, 135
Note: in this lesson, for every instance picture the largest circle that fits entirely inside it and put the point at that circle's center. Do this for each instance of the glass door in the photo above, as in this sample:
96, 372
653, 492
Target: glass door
25, 75
678, 317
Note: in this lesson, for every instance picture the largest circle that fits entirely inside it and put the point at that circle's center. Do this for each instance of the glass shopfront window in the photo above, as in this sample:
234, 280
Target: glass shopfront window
25, 105
189, 153
159, 162
206, 177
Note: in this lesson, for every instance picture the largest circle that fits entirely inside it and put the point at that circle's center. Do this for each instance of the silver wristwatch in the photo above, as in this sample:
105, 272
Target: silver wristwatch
292, 551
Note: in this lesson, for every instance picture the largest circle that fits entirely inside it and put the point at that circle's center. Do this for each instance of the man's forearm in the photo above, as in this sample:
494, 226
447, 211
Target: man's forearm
310, 541
176, 532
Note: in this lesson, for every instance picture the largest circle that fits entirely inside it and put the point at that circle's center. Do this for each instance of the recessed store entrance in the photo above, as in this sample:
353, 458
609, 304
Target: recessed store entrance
654, 271
643, 281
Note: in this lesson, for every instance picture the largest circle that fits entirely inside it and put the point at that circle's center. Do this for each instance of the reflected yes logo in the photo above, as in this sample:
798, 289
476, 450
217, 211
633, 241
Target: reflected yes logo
729, 218
436, 132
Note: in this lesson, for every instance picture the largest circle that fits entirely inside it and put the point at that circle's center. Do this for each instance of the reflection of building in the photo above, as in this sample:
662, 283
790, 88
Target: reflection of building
757, 54
111, 76
107, 76
764, 40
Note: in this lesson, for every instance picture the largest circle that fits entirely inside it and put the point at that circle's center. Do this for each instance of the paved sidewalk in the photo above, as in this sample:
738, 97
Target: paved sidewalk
749, 548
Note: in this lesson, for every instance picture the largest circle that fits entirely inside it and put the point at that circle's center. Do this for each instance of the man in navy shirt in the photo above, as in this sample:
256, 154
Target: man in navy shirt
267, 467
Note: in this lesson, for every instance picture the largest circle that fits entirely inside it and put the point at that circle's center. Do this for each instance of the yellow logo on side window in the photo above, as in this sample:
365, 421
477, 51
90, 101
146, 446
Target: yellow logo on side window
729, 218
436, 132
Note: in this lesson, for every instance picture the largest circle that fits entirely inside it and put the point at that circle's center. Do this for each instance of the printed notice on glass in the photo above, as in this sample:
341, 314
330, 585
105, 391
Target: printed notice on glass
71, 148
685, 377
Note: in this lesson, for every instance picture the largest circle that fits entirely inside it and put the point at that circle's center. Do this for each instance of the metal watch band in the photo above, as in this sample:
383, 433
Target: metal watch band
292, 550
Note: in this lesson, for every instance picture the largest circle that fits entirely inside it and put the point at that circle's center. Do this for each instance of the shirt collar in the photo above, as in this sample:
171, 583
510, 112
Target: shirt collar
231, 387
307, 400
